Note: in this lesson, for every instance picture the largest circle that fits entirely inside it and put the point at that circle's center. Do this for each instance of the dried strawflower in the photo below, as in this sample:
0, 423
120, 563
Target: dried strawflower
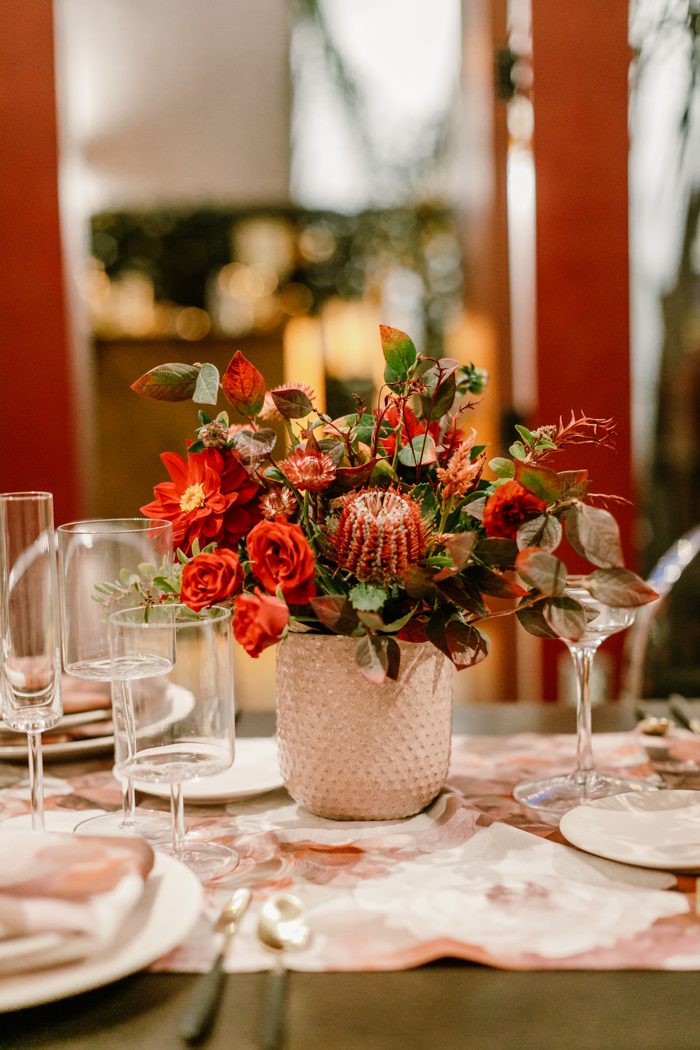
378, 534
308, 470
461, 474
214, 434
277, 503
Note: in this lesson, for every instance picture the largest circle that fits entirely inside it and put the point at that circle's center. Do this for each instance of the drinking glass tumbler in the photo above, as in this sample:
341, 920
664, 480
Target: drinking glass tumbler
178, 727
30, 661
102, 554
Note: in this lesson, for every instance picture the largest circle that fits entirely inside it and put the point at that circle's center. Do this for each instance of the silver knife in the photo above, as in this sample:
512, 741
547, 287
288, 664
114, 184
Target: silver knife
684, 713
201, 1009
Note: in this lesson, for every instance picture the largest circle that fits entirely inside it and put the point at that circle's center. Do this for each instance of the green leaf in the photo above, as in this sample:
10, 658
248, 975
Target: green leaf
396, 625
172, 382
203, 418
182, 557
418, 581
425, 495
383, 474
502, 468
543, 531
222, 417
462, 593
207, 390
167, 583
566, 617
532, 619
275, 474
441, 390
399, 352
196, 549
368, 597
541, 570
421, 449
525, 434
518, 450
540, 481
196, 446
594, 534
147, 570
619, 588
496, 551
372, 620
127, 577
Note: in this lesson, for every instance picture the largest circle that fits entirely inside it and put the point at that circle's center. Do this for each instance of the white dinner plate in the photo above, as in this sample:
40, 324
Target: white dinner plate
164, 916
254, 771
182, 701
95, 745
652, 829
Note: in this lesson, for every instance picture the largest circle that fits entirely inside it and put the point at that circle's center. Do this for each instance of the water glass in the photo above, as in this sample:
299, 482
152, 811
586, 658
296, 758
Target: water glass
97, 559
179, 726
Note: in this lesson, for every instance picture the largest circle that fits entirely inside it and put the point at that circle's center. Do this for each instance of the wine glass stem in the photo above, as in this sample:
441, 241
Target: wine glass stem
36, 780
128, 791
582, 656
177, 812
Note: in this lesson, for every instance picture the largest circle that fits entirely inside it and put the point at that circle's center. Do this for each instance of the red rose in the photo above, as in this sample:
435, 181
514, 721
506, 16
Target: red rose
508, 508
210, 497
210, 578
259, 621
281, 557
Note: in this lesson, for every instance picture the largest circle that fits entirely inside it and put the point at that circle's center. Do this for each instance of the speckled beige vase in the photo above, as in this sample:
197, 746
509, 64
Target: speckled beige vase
352, 750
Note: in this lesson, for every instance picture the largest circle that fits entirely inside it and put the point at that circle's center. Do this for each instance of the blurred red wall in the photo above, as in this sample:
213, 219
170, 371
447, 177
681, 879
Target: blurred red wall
36, 432
581, 63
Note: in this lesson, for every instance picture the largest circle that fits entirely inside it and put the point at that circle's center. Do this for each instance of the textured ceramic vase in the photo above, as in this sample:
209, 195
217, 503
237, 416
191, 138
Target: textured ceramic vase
351, 750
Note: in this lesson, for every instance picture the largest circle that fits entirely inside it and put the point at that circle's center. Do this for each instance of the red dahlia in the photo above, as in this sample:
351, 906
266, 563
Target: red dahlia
210, 497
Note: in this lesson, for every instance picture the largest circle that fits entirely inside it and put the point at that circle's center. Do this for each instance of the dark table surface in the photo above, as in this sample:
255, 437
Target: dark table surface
448, 1005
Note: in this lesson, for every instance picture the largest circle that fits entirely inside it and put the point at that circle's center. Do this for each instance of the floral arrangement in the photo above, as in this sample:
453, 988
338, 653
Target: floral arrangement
378, 525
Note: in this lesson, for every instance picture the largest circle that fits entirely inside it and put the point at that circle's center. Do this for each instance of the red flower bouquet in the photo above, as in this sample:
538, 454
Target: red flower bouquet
378, 525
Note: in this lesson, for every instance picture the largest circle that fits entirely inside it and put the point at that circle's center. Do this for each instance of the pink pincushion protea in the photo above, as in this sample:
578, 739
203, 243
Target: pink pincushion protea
378, 534
308, 470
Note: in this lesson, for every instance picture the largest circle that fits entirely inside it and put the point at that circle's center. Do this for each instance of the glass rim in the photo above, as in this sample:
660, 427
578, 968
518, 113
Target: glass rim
30, 494
221, 611
69, 528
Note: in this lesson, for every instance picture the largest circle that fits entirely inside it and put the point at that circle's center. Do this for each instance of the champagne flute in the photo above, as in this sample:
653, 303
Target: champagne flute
30, 662
104, 554
557, 795
196, 739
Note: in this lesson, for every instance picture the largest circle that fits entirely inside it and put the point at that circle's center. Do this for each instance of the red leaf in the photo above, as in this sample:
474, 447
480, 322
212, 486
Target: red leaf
348, 478
243, 385
172, 382
336, 613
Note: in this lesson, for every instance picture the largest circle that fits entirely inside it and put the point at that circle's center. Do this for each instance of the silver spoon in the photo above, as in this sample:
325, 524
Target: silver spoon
283, 926
201, 1008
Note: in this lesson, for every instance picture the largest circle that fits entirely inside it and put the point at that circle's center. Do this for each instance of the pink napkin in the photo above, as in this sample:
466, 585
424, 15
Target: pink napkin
64, 897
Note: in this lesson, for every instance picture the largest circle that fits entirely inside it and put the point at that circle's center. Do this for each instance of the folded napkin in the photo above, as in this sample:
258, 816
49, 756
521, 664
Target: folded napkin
64, 897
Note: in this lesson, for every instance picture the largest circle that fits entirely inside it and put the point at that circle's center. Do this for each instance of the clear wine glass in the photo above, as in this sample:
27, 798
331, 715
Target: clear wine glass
557, 795
30, 661
93, 554
180, 726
